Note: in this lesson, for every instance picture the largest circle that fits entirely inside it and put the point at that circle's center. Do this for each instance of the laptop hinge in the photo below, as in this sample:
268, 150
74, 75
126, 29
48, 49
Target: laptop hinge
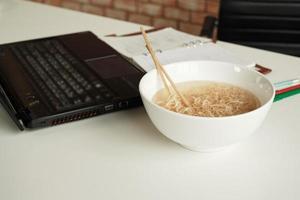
4, 100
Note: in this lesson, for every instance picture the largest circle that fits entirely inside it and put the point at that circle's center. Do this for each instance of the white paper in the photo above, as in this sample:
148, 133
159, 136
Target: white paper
161, 40
173, 46
209, 51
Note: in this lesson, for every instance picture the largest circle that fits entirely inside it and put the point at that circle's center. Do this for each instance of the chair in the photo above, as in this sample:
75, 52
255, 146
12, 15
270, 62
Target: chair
266, 24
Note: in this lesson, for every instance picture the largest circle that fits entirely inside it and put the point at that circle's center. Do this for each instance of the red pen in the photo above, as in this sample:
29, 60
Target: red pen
287, 89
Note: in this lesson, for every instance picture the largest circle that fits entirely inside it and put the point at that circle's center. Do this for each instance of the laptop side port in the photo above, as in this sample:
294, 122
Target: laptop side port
109, 107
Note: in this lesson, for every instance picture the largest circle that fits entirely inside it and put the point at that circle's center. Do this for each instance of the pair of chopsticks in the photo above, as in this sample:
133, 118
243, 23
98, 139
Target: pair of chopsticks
163, 74
286, 88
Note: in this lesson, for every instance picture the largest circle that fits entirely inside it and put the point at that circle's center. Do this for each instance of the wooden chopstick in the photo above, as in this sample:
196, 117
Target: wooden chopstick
154, 58
156, 62
163, 74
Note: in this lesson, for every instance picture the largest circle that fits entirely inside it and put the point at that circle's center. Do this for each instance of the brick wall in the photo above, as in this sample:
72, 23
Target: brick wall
185, 15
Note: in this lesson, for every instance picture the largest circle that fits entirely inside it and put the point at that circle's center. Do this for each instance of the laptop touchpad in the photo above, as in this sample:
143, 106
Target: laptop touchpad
111, 66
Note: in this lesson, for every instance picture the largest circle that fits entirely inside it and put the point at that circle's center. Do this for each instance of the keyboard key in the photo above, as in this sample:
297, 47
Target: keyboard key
98, 85
99, 97
88, 99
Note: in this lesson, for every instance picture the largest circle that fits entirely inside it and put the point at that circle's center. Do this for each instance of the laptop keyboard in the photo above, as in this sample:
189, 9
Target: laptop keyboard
64, 80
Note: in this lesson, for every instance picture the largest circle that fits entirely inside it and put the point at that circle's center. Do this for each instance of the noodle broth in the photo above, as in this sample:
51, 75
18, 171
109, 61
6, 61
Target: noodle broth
208, 99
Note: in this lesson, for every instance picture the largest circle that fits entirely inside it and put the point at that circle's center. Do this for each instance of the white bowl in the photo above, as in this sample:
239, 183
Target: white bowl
207, 133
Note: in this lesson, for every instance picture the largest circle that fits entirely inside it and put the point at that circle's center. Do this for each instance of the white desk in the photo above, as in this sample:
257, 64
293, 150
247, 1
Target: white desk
122, 156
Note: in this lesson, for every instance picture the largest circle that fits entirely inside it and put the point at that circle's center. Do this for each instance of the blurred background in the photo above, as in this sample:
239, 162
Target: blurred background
184, 15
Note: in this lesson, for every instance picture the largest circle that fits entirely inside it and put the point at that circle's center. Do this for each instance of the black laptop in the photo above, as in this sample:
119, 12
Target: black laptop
51, 81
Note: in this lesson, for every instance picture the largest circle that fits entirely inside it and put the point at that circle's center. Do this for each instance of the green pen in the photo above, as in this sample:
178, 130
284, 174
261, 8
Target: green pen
278, 97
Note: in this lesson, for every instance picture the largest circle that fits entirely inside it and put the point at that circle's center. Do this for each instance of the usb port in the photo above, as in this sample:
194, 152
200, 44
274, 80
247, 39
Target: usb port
109, 107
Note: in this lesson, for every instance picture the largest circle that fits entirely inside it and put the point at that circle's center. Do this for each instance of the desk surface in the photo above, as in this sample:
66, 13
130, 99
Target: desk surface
122, 156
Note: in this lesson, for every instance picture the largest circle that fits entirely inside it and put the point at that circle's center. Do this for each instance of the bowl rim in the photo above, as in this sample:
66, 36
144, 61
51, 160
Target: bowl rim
201, 117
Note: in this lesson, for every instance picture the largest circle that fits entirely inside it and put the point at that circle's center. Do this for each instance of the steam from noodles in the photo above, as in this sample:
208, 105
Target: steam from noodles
208, 99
